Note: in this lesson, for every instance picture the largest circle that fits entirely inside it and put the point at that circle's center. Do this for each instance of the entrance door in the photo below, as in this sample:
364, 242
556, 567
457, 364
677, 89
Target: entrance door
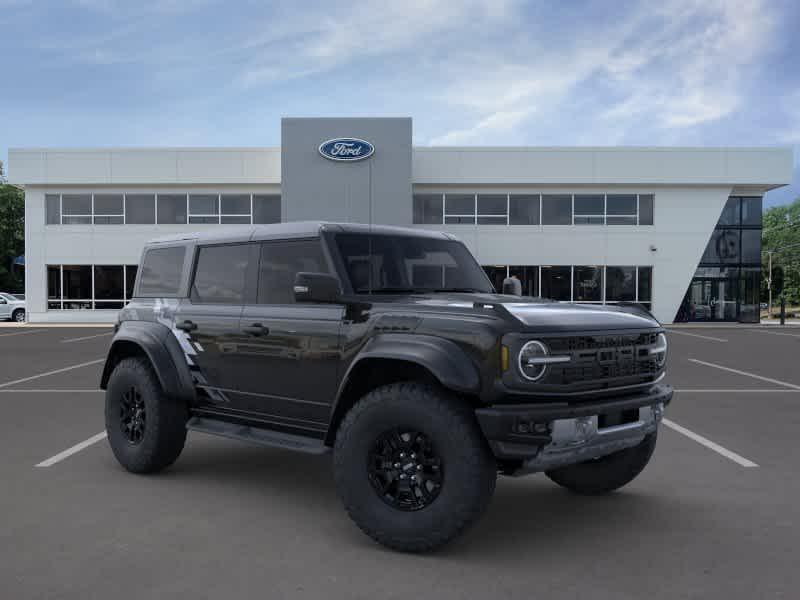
711, 300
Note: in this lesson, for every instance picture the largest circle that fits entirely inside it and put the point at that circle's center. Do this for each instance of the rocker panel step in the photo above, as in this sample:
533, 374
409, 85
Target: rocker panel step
255, 435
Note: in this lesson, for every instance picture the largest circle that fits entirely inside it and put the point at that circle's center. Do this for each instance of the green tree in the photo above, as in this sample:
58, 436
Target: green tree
782, 235
12, 235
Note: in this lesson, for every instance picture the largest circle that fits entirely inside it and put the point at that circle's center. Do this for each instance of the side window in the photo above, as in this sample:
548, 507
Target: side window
219, 277
280, 262
161, 271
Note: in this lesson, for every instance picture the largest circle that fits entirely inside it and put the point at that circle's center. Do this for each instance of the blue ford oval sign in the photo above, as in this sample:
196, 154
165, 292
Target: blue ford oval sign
346, 149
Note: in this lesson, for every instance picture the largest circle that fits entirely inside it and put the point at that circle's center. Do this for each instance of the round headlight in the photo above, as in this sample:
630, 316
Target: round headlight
659, 351
530, 360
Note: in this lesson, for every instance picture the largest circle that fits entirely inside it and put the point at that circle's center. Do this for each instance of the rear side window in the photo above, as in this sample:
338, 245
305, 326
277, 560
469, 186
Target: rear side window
219, 277
161, 271
281, 262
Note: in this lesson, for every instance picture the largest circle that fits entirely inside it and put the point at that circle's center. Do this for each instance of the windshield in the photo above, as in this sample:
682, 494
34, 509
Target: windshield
396, 263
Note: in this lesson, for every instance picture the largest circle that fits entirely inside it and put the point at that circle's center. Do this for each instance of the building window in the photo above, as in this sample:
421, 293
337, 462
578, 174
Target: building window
428, 209
171, 209
528, 277
459, 209
523, 209
621, 209
492, 209
164, 209
52, 204
140, 209
235, 209
87, 287
204, 208
266, 208
620, 284
76, 209
109, 209
589, 209
556, 283
587, 284
556, 209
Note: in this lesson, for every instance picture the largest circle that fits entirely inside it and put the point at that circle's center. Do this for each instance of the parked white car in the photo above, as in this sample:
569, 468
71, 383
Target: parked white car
12, 308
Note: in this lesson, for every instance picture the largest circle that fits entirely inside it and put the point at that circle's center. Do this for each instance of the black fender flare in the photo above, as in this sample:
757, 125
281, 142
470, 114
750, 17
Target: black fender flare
448, 363
162, 349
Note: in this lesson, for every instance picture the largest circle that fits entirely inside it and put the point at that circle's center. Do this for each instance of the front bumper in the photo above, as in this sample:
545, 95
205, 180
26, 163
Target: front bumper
545, 436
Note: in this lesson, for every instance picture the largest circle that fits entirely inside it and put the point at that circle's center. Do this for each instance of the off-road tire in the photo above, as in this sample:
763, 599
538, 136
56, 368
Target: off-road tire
18, 315
606, 474
469, 469
164, 432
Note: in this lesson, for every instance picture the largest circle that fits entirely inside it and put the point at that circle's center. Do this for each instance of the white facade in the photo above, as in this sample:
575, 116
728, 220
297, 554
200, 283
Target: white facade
690, 188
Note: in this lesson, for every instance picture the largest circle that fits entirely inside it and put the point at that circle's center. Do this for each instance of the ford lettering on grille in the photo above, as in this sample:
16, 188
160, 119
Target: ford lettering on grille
346, 149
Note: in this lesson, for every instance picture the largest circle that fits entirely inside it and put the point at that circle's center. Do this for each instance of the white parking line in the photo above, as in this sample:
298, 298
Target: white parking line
745, 373
86, 337
738, 459
72, 450
697, 335
56, 371
26, 332
777, 333
61, 391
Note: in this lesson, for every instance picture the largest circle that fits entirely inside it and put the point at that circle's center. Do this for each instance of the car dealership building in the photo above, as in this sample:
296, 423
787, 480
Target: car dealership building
676, 229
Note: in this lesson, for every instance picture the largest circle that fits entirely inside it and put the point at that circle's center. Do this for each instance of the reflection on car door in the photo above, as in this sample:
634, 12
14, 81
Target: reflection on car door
292, 350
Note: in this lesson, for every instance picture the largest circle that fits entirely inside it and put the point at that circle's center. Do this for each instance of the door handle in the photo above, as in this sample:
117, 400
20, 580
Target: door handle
256, 329
186, 325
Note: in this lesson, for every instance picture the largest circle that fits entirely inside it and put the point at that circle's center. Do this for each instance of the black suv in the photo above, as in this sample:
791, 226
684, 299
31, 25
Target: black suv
390, 348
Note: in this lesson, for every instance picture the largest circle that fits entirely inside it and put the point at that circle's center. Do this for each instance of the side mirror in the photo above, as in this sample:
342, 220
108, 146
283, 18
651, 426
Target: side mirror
316, 287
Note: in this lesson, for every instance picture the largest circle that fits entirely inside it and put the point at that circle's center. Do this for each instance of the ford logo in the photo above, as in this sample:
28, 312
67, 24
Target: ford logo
346, 149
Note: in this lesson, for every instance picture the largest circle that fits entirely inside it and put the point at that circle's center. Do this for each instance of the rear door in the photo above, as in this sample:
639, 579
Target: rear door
210, 317
292, 350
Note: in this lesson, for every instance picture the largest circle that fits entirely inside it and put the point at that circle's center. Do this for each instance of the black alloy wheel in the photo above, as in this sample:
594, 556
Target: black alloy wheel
132, 415
404, 469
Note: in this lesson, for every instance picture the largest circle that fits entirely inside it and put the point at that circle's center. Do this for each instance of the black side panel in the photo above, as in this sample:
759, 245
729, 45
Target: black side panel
163, 350
451, 366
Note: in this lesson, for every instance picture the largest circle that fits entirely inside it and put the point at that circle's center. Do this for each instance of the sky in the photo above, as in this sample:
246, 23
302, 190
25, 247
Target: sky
78, 73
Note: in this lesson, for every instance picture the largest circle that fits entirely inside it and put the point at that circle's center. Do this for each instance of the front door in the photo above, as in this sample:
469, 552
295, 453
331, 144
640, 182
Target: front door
712, 300
5, 308
291, 351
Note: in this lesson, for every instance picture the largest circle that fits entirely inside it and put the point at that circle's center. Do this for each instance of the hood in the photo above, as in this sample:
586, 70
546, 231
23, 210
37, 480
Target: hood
548, 316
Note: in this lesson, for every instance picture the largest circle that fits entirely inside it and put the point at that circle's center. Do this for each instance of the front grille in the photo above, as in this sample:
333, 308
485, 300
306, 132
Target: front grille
620, 359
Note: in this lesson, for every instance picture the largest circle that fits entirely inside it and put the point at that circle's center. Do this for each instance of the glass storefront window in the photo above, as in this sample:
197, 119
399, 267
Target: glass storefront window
528, 277
749, 295
587, 284
556, 283
730, 213
620, 284
751, 211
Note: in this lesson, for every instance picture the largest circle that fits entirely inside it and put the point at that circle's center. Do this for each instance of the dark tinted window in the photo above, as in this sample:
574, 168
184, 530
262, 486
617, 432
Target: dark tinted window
646, 209
140, 209
620, 204
235, 204
589, 209
77, 282
492, 204
523, 209
620, 284
556, 283
645, 284
161, 271
53, 282
76, 209
266, 208
459, 209
587, 284
281, 262
428, 209
528, 277
52, 204
172, 208
130, 279
723, 247
557, 209
220, 274
398, 263
751, 246
751, 211
108, 204
108, 282
730, 213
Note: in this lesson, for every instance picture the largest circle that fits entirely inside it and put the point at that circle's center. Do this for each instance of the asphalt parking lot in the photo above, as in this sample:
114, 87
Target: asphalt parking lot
715, 514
